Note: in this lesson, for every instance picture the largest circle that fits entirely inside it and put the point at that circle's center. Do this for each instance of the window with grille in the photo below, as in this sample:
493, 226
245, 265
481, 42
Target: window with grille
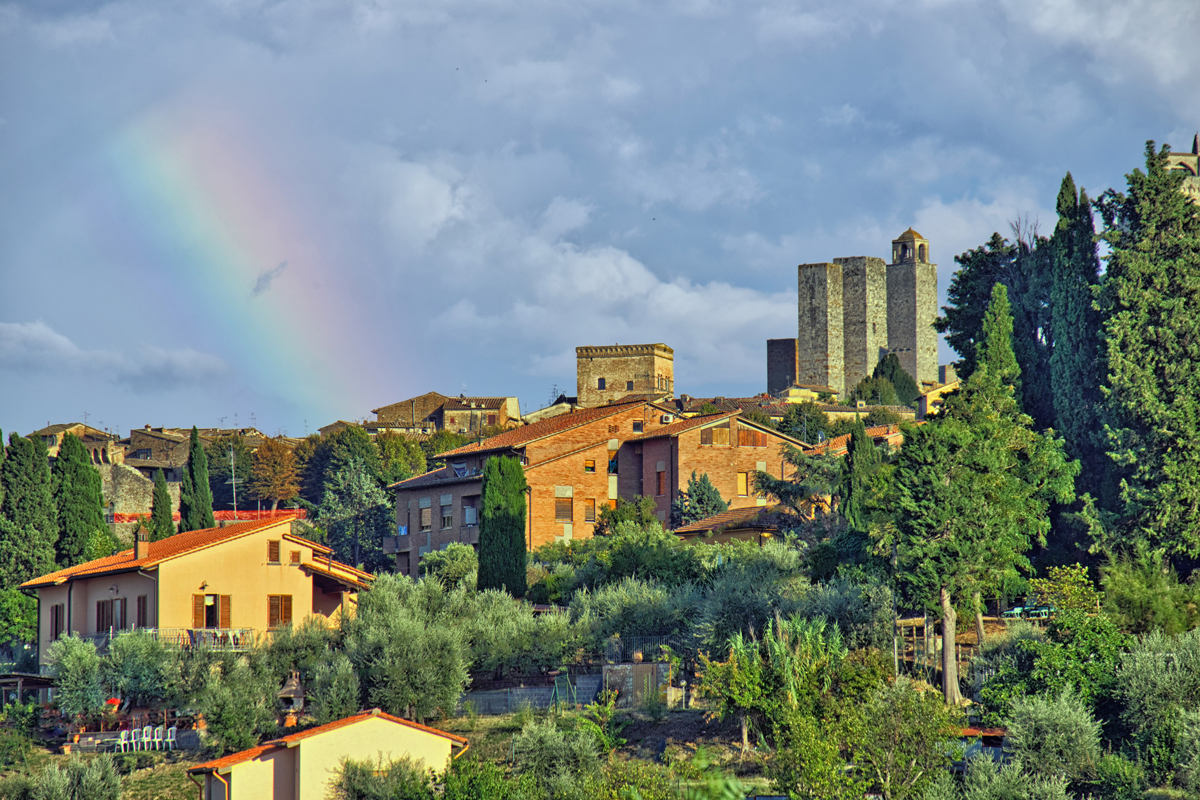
563, 510
748, 437
273, 551
589, 510
589, 465
717, 434
743, 481
426, 519
279, 610
614, 428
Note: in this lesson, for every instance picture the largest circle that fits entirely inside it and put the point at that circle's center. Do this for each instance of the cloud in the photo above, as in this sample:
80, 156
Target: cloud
36, 348
266, 278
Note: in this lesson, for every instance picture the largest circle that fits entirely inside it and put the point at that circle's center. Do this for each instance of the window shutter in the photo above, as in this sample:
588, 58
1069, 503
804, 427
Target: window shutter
197, 611
225, 610
273, 611
287, 609
273, 551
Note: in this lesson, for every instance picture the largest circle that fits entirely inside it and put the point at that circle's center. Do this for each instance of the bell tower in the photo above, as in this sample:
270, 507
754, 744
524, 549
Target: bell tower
912, 306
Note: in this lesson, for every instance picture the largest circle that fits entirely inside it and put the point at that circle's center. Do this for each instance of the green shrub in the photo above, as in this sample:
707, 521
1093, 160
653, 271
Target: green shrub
863, 612
1054, 735
1118, 778
987, 780
78, 780
559, 763
456, 565
14, 748
334, 691
239, 708
75, 666
396, 780
1143, 591
134, 669
471, 779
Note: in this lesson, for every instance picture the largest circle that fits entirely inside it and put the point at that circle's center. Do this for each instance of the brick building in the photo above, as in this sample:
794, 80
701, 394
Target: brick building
571, 466
725, 446
610, 374
432, 411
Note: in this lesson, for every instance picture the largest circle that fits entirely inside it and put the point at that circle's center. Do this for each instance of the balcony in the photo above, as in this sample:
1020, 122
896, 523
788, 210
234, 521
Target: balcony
236, 639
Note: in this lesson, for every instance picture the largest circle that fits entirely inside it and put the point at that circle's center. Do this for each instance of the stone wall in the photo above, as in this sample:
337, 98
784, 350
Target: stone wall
912, 309
625, 369
819, 340
865, 319
783, 364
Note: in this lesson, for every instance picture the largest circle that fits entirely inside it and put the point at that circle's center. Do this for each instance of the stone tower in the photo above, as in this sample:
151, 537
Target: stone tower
865, 316
608, 374
819, 350
912, 306
783, 364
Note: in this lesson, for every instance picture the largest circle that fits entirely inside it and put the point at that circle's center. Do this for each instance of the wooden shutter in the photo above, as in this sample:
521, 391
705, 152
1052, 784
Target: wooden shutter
563, 511
225, 609
286, 616
274, 610
295, 556
273, 551
197, 611
743, 483
142, 617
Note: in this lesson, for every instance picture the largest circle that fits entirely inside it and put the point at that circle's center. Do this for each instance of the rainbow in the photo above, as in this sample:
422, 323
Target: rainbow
194, 204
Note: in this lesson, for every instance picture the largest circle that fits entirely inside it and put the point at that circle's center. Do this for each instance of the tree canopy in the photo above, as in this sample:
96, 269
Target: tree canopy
77, 495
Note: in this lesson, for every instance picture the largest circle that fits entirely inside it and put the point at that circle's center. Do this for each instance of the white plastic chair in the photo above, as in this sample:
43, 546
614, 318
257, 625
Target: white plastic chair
125, 741
136, 739
147, 737
171, 743
158, 738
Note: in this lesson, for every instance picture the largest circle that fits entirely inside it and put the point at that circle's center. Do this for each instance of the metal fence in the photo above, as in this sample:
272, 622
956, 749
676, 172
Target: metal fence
506, 701
213, 638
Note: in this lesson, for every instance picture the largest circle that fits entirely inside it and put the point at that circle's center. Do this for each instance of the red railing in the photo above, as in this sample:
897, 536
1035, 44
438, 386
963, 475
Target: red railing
246, 515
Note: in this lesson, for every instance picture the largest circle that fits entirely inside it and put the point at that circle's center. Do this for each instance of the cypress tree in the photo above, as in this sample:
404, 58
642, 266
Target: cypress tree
78, 498
996, 349
1, 474
1075, 325
700, 500
31, 531
196, 502
858, 470
502, 554
162, 524
1149, 297
906, 387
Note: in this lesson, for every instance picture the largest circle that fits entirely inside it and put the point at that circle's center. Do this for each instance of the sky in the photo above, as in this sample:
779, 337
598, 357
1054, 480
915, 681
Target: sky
282, 213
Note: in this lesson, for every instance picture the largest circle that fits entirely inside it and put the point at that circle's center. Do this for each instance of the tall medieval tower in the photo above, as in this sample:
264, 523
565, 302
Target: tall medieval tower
864, 317
819, 350
912, 306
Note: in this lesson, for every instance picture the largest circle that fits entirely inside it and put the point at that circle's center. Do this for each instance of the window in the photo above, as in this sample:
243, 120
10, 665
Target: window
717, 434
447, 517
629, 386
638, 425
563, 509
600, 383
748, 437
211, 611
104, 615
144, 455
273, 551
426, 519
142, 610
589, 465
295, 557
589, 510
58, 620
279, 610
743, 479
493, 420
661, 487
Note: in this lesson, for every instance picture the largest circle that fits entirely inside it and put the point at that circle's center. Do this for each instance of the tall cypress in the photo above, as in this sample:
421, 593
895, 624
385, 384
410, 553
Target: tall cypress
196, 501
862, 459
1149, 297
906, 387
31, 531
1075, 325
996, 349
78, 497
502, 554
162, 524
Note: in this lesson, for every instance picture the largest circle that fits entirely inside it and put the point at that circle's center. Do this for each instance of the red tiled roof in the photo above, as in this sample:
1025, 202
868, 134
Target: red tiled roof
839, 444
254, 752
733, 516
473, 403
163, 550
676, 428
518, 437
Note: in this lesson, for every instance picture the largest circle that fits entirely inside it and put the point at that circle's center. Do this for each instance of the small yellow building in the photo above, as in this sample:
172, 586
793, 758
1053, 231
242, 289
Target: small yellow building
218, 586
303, 765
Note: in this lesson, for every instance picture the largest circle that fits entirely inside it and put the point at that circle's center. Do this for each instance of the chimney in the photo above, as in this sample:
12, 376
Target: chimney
141, 543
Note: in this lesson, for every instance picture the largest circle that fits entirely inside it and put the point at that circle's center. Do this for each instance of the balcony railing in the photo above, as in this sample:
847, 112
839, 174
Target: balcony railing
212, 638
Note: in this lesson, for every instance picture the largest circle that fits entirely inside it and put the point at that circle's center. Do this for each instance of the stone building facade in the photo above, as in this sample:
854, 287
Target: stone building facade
854, 311
1189, 164
609, 374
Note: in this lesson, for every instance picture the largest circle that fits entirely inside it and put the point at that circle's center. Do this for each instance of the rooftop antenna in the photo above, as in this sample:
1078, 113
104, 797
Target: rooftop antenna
306, 428
85, 417
233, 480
221, 421
253, 420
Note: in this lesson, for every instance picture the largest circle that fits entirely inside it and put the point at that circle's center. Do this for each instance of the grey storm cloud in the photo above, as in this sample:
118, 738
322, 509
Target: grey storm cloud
496, 182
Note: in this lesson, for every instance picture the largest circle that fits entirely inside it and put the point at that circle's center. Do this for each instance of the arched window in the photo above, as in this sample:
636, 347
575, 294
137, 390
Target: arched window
920, 252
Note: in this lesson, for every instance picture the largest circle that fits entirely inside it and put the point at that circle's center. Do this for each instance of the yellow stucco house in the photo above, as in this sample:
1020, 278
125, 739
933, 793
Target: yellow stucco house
303, 765
218, 586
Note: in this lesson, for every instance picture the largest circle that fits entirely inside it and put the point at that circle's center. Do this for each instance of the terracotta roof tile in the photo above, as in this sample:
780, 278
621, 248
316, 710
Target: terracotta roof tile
518, 437
473, 403
676, 428
159, 551
254, 752
733, 516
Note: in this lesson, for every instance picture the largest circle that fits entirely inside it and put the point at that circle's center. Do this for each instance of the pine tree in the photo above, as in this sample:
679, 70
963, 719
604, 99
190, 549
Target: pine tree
906, 387
974, 487
1075, 325
78, 498
1151, 345
162, 523
858, 471
700, 500
29, 514
502, 554
195, 501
